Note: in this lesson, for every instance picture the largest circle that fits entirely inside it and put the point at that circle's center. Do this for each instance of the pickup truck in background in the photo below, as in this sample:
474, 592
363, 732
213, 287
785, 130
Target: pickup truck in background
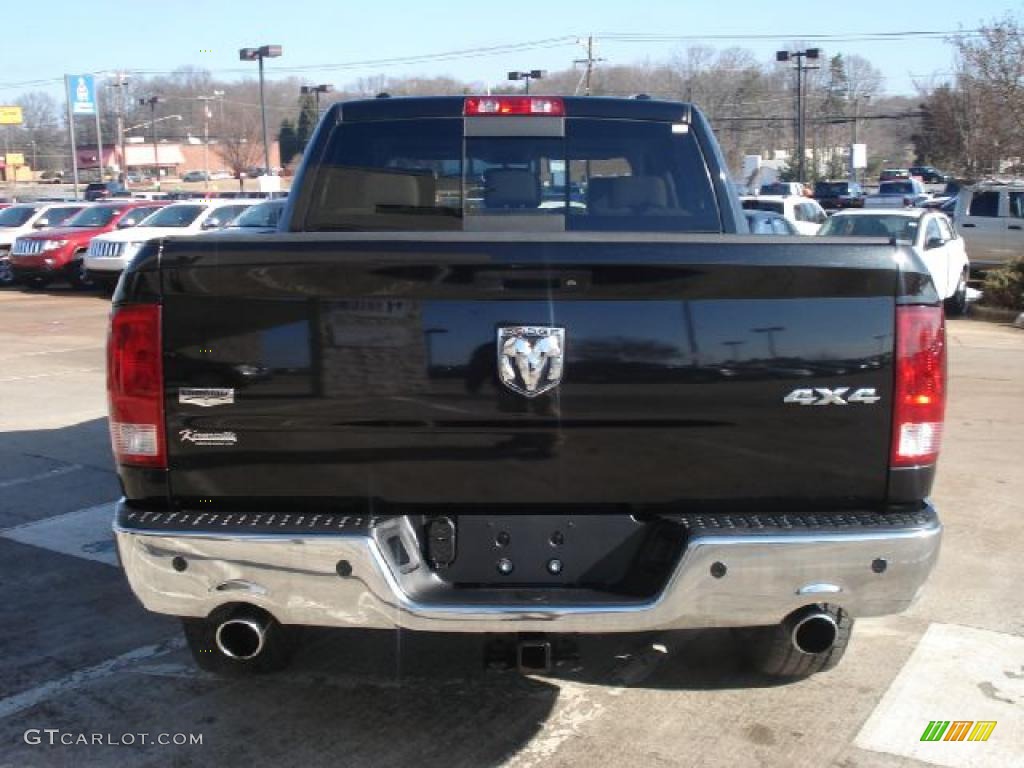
447, 395
991, 219
898, 194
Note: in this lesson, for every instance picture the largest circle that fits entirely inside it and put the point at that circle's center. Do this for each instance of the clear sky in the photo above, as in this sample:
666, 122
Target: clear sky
330, 40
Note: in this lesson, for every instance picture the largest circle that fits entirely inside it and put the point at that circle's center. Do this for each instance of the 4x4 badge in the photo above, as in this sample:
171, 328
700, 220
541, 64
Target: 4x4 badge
531, 358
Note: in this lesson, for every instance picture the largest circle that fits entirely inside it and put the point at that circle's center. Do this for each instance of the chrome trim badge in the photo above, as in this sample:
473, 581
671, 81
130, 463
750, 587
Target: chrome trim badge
530, 358
206, 398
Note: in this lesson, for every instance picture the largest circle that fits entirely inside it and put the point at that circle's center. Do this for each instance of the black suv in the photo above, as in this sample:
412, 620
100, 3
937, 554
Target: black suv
838, 194
928, 174
105, 189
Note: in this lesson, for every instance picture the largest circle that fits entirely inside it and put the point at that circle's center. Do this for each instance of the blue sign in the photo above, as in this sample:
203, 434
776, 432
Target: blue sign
83, 94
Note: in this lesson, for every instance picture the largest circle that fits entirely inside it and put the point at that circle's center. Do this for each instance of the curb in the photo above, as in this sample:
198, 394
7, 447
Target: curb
996, 315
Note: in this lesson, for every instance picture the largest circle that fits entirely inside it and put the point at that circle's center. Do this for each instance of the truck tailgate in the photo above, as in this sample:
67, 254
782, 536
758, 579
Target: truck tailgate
331, 368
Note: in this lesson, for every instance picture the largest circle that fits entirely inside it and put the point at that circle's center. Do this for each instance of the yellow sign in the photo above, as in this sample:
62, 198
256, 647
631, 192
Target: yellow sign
10, 116
14, 158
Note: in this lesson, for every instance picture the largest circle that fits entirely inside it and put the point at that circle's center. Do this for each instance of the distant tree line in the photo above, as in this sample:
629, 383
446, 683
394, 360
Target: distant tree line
974, 123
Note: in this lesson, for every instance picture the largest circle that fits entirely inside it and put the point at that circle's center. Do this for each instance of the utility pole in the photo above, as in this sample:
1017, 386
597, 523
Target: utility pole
151, 102
589, 63
853, 143
120, 84
207, 114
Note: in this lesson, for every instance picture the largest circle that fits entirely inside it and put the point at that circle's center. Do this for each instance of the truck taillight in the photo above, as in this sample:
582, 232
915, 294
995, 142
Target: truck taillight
135, 384
514, 105
920, 396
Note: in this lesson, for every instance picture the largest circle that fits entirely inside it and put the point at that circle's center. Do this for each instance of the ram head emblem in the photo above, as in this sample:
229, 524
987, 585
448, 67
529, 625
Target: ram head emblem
531, 358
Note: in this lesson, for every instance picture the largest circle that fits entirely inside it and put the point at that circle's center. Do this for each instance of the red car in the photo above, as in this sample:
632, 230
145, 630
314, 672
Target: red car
39, 259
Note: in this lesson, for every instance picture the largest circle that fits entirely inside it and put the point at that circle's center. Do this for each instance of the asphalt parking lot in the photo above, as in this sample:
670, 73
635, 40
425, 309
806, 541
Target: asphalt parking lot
79, 655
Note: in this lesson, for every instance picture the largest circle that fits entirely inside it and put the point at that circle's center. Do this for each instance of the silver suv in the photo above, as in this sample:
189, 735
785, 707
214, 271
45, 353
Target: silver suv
990, 218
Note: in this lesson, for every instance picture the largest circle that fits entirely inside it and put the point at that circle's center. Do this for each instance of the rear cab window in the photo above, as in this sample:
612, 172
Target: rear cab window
576, 173
984, 203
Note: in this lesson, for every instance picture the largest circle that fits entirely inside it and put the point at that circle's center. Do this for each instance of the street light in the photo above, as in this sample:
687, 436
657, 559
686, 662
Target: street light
259, 54
801, 133
151, 102
316, 90
533, 74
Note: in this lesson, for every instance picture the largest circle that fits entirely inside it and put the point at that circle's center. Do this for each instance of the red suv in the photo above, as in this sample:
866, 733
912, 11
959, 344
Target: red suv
39, 259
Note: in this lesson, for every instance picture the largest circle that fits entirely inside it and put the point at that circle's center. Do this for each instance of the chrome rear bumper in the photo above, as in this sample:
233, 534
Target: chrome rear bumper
350, 579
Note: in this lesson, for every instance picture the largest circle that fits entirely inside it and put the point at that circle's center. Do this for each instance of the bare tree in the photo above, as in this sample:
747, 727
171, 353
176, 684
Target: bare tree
992, 78
240, 146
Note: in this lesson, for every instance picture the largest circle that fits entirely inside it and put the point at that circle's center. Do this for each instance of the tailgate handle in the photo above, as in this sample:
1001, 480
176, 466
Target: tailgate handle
968, 226
533, 281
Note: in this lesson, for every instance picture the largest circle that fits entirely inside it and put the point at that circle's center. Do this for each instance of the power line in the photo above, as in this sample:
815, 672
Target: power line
642, 37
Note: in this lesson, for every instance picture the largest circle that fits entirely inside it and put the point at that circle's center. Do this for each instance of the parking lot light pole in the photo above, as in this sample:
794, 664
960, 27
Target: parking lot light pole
533, 74
316, 90
801, 106
259, 54
152, 101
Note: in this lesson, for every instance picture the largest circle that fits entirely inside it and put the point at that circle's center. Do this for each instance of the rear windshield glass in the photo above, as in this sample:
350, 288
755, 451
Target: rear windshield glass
774, 206
423, 174
896, 188
900, 227
831, 189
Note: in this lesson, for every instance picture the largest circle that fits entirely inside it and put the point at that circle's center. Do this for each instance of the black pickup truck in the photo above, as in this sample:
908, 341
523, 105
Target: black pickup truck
513, 365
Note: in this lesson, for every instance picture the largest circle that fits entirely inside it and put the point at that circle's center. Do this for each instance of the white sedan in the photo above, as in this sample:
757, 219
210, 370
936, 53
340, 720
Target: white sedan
802, 212
932, 236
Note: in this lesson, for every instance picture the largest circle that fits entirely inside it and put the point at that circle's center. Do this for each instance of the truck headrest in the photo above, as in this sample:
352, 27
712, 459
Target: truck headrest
511, 188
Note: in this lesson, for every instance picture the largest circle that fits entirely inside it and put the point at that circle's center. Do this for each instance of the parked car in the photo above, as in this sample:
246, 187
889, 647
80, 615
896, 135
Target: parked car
195, 176
783, 188
894, 174
769, 223
898, 194
835, 195
59, 253
260, 219
24, 218
932, 236
991, 219
803, 213
109, 254
103, 190
928, 174
521, 421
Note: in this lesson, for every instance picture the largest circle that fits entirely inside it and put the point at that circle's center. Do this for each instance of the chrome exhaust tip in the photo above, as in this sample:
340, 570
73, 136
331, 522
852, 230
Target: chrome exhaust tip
241, 638
812, 631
